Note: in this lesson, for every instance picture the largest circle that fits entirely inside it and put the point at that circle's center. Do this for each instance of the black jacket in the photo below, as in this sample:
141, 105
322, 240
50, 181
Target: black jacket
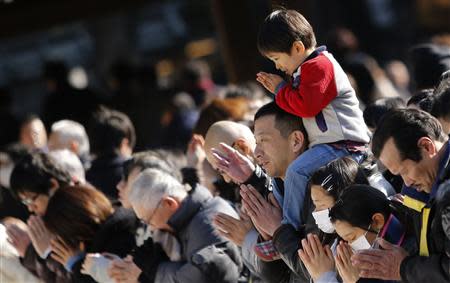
48, 270
105, 173
116, 236
436, 266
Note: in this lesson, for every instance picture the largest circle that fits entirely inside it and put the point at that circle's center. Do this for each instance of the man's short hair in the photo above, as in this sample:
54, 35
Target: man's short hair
150, 159
406, 127
285, 122
34, 172
108, 129
69, 130
70, 162
281, 29
152, 185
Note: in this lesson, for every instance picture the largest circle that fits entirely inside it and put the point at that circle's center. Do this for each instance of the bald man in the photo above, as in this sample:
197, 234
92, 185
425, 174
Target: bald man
235, 135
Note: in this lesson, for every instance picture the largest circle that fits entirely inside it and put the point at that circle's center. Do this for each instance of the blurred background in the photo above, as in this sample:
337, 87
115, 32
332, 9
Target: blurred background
156, 59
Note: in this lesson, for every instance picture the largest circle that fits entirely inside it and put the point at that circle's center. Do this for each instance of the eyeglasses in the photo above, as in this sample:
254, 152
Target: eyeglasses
149, 220
30, 200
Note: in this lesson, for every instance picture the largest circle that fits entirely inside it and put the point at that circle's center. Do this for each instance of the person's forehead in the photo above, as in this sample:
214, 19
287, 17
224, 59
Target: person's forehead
317, 191
390, 155
26, 194
344, 227
265, 125
273, 54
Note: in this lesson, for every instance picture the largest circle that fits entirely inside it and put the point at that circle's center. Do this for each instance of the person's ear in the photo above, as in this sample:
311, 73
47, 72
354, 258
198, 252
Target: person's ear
297, 141
125, 148
242, 146
426, 146
54, 185
74, 147
298, 48
170, 203
377, 221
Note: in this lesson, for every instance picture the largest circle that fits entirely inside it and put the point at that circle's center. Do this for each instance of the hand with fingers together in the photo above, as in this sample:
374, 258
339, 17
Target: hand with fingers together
18, 237
124, 270
265, 215
195, 153
237, 166
269, 81
348, 272
233, 229
39, 235
62, 252
316, 258
380, 263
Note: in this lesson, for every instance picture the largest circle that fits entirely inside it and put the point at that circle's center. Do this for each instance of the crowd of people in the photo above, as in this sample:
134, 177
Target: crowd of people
337, 172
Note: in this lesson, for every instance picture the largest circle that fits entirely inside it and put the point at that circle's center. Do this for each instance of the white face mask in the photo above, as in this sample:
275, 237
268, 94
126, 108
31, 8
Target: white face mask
5, 174
323, 221
360, 243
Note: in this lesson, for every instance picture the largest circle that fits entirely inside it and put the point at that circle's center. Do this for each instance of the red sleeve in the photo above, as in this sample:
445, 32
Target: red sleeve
316, 90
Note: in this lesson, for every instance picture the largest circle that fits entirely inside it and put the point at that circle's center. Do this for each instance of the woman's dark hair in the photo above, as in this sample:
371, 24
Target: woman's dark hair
358, 203
281, 29
33, 173
75, 214
337, 175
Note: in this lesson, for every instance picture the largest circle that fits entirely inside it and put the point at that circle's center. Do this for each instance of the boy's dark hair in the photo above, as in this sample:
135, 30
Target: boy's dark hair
373, 112
34, 172
285, 122
108, 129
281, 29
150, 159
358, 203
406, 127
337, 175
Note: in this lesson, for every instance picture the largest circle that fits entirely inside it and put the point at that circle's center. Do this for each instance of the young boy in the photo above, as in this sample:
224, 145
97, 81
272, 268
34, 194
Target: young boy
320, 93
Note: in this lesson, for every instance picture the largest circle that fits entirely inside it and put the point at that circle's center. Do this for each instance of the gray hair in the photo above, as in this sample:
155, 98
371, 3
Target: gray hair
152, 185
69, 130
70, 162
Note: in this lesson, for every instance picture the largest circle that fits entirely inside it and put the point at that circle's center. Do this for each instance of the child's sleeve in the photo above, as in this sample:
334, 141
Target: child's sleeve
316, 90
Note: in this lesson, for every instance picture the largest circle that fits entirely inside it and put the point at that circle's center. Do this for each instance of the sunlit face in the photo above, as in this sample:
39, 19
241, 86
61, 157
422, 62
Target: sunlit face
36, 203
272, 149
420, 175
124, 187
33, 134
54, 142
445, 125
212, 161
350, 233
158, 216
321, 198
287, 63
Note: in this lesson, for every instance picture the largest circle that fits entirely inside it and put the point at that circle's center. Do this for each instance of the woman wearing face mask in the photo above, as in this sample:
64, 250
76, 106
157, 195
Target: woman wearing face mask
362, 214
326, 184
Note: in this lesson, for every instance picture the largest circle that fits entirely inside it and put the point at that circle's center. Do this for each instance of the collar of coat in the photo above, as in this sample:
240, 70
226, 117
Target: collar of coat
189, 207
